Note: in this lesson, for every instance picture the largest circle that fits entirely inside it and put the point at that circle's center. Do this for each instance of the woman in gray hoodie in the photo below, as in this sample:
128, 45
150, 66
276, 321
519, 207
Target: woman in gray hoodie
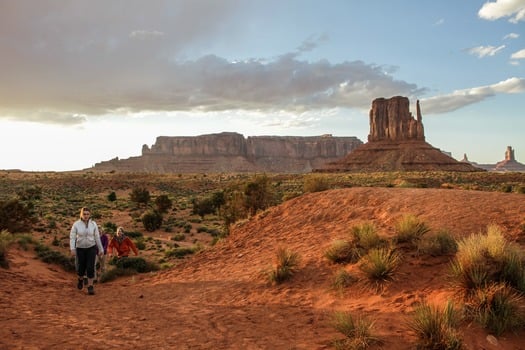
84, 239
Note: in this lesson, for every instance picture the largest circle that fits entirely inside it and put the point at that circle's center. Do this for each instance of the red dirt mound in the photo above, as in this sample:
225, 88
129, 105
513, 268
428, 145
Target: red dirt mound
220, 298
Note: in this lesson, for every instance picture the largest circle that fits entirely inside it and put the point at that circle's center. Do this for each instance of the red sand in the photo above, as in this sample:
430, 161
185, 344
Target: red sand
220, 298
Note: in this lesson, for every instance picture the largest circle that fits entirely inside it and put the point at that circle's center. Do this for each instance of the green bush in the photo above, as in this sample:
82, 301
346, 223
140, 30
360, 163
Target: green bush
163, 203
152, 220
112, 196
51, 256
358, 331
178, 237
15, 216
138, 264
365, 237
6, 239
286, 265
140, 195
180, 252
436, 328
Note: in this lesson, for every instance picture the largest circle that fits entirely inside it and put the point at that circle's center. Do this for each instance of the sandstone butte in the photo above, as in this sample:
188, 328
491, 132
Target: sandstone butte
396, 143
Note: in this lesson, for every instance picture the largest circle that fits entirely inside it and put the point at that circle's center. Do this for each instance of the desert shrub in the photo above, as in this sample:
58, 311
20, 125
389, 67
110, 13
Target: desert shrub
409, 229
29, 193
140, 195
134, 234
138, 264
234, 209
112, 196
179, 252
51, 256
6, 239
365, 237
15, 216
163, 203
484, 259
380, 265
203, 207
178, 237
442, 243
286, 264
506, 188
521, 189
258, 194
110, 227
436, 328
342, 279
112, 274
498, 308
342, 251
358, 331
24, 240
315, 183
152, 220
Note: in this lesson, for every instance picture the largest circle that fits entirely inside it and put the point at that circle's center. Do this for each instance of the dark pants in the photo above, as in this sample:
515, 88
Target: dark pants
86, 261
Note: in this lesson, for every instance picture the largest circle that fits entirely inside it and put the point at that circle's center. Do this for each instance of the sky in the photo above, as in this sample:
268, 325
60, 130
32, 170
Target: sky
87, 81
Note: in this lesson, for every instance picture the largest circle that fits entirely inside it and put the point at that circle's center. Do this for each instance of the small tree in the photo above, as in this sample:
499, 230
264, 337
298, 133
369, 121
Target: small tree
15, 216
140, 195
152, 220
112, 196
163, 203
258, 194
203, 207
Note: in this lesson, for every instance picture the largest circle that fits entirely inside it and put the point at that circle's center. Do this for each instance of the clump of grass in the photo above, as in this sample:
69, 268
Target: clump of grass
380, 265
442, 243
113, 274
484, 259
498, 308
409, 229
358, 331
286, 264
138, 264
365, 237
436, 328
316, 183
342, 251
180, 252
342, 279
6, 239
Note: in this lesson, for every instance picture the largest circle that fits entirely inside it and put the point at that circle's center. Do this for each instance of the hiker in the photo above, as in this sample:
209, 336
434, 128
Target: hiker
121, 244
101, 259
84, 239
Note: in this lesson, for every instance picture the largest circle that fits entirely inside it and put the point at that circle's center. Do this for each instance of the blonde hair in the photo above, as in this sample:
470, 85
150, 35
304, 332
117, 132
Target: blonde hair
120, 229
82, 210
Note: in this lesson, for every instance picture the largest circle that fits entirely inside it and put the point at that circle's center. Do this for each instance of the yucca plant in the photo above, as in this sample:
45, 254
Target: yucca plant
380, 265
342, 279
409, 229
483, 259
342, 251
498, 308
365, 236
436, 328
442, 243
286, 265
357, 331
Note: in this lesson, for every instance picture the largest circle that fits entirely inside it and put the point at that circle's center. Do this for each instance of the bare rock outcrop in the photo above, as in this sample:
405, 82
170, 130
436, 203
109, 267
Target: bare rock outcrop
509, 163
396, 143
231, 152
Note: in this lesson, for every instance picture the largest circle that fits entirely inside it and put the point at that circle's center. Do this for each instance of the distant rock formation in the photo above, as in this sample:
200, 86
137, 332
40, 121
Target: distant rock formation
509, 163
396, 143
231, 152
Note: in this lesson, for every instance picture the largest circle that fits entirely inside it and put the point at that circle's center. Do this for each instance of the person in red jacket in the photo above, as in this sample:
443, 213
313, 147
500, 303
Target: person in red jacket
121, 245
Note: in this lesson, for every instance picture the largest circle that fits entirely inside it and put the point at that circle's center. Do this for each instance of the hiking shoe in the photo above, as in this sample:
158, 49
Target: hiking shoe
85, 280
91, 290
80, 284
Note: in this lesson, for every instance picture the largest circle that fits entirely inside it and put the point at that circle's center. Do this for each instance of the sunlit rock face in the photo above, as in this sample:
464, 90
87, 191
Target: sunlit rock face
232, 152
396, 142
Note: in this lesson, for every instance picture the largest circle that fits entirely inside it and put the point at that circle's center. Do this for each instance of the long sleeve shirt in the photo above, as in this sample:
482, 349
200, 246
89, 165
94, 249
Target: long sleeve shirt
84, 235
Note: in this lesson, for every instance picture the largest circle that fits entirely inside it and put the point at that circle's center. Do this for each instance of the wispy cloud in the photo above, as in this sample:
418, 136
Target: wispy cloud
511, 36
519, 55
483, 51
439, 22
515, 9
462, 98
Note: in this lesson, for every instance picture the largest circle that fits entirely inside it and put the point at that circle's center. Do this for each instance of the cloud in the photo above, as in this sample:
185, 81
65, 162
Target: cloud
515, 9
511, 36
439, 22
88, 60
519, 55
483, 51
462, 98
